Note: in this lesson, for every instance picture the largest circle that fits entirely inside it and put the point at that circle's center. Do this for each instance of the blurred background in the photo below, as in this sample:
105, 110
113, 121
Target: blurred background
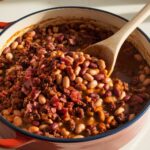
19, 8
11, 10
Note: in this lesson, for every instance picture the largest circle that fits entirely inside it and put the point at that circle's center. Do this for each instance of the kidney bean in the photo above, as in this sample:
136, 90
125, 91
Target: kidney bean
119, 111
42, 99
17, 121
66, 82
9, 56
93, 71
88, 77
14, 45
92, 84
79, 128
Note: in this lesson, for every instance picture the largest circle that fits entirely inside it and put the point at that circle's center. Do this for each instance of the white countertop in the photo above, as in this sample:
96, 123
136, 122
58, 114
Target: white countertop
10, 10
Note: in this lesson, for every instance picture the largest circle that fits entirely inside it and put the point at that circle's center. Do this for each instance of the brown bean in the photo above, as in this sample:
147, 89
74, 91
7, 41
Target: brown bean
9, 56
88, 77
6, 112
33, 129
66, 82
91, 121
142, 77
17, 121
14, 45
138, 57
79, 128
42, 99
79, 80
70, 59
131, 116
102, 127
146, 82
78, 136
77, 70
101, 64
17, 112
55, 29
59, 78
99, 102
147, 70
119, 111
110, 99
31, 33
101, 115
43, 126
109, 119
92, 84
93, 71
123, 94
64, 132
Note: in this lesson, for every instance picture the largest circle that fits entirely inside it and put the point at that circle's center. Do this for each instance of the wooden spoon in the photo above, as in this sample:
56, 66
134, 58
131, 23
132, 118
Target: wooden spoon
108, 49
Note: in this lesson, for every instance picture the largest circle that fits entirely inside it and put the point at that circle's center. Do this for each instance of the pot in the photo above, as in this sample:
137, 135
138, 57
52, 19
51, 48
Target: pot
14, 137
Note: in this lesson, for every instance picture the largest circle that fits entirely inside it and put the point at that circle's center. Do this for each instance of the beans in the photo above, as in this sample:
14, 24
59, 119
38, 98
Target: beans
77, 70
78, 136
131, 116
99, 102
142, 77
109, 99
110, 119
147, 70
101, 64
86, 63
66, 82
91, 121
88, 77
33, 129
79, 80
99, 77
101, 116
138, 57
6, 112
55, 29
146, 82
122, 95
102, 127
31, 33
9, 56
1, 72
59, 78
64, 132
92, 84
17, 121
14, 45
93, 71
17, 112
119, 111
70, 59
43, 126
57, 72
42, 99
80, 128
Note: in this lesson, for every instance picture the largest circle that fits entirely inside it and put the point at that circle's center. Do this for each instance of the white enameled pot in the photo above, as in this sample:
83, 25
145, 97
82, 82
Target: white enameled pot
13, 137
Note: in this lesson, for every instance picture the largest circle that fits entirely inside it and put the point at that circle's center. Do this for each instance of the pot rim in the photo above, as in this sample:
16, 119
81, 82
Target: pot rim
90, 138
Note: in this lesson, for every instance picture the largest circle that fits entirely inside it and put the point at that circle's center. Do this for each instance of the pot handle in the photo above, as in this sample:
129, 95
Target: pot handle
19, 141
4, 24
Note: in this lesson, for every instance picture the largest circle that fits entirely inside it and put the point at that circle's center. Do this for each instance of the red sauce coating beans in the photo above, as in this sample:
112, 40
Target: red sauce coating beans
49, 88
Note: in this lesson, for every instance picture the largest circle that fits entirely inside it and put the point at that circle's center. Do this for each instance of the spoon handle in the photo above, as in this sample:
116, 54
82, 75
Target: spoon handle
128, 28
